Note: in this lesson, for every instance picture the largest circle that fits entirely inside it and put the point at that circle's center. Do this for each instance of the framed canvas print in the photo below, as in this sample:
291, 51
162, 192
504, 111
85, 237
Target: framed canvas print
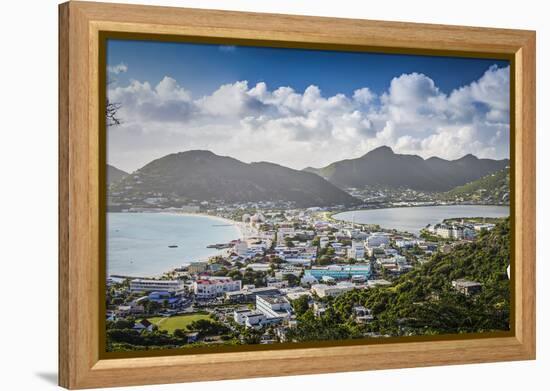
246, 195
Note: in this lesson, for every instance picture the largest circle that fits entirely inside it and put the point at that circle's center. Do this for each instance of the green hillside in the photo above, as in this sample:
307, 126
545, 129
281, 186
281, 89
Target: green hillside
205, 176
382, 166
493, 188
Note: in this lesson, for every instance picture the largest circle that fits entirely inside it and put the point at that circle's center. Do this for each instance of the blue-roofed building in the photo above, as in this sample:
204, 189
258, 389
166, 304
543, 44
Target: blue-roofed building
161, 297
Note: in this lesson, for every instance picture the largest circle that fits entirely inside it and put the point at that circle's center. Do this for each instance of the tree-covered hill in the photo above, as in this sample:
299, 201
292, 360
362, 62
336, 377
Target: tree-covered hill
493, 188
382, 166
115, 174
205, 176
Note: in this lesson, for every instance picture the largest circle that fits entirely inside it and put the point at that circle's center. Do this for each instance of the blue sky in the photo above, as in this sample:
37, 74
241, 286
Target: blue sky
202, 68
301, 108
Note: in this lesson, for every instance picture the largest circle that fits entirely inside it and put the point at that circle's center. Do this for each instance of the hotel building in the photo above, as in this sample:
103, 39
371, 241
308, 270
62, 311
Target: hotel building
211, 287
171, 286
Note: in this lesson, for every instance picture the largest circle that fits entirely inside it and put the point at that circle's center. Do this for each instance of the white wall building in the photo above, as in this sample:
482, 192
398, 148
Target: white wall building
275, 308
249, 318
377, 239
144, 285
323, 290
308, 280
211, 287
357, 250
323, 242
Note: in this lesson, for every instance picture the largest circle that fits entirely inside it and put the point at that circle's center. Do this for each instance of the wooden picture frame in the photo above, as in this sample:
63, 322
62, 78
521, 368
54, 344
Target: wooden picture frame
81, 24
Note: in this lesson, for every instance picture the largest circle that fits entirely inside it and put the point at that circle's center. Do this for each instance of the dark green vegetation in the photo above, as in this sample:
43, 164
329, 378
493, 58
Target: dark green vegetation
423, 302
493, 188
203, 175
122, 337
114, 174
382, 166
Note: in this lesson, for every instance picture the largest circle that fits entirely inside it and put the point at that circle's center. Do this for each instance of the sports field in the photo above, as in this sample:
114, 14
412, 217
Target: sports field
177, 322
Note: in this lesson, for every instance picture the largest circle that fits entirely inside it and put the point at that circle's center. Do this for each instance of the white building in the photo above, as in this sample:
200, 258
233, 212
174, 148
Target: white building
443, 231
257, 267
380, 282
144, 285
295, 292
406, 243
275, 283
287, 270
298, 261
323, 290
400, 259
450, 231
377, 239
241, 248
197, 267
358, 278
257, 219
275, 308
357, 250
308, 280
211, 287
484, 227
249, 318
250, 248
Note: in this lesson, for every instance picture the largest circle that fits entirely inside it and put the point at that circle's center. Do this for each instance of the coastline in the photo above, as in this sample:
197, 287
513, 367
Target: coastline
243, 231
332, 213
236, 224
407, 230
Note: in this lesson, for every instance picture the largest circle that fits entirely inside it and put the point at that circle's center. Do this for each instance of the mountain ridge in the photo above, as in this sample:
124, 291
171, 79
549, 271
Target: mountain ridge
203, 175
382, 166
115, 174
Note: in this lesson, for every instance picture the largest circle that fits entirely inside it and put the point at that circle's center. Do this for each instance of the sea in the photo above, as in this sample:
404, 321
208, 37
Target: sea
138, 243
413, 219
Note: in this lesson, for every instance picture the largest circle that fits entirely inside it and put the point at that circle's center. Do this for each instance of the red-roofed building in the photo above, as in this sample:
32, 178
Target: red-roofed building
211, 287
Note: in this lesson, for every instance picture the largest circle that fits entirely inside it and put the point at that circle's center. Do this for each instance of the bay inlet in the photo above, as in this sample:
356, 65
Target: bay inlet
142, 244
413, 219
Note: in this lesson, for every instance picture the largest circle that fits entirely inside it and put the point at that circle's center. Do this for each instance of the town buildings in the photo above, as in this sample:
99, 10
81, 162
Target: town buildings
339, 272
276, 308
285, 256
197, 267
211, 287
145, 285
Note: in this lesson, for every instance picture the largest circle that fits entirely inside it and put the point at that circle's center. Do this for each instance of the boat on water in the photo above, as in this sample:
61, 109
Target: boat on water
173, 246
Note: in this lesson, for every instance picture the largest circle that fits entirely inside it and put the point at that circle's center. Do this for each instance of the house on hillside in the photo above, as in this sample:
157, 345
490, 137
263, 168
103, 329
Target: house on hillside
467, 287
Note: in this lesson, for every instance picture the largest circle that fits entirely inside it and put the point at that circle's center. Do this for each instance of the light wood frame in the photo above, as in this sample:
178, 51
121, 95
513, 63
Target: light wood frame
80, 365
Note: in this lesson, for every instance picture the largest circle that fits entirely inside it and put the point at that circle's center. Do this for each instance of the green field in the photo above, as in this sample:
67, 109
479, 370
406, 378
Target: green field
177, 322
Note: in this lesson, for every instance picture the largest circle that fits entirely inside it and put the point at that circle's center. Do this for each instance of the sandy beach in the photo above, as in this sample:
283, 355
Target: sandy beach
130, 261
245, 230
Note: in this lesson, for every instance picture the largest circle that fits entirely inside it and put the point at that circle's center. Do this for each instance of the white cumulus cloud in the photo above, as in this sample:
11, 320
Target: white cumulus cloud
308, 128
116, 69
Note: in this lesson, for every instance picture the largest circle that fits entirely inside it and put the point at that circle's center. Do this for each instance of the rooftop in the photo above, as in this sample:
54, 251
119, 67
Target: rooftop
466, 283
272, 299
213, 281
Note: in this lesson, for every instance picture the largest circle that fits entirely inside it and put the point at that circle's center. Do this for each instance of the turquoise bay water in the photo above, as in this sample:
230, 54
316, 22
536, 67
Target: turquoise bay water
413, 219
137, 243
